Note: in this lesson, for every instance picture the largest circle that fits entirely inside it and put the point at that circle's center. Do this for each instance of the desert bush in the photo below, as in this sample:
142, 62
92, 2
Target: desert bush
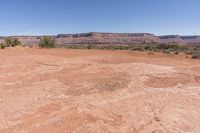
73, 47
196, 54
166, 51
111, 47
147, 47
188, 52
8, 41
120, 47
138, 49
2, 46
89, 46
15, 42
173, 47
47, 42
170, 47
162, 46
11, 42
150, 53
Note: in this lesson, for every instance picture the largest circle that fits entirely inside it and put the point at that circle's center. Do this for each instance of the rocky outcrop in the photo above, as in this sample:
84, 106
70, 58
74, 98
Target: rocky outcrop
109, 38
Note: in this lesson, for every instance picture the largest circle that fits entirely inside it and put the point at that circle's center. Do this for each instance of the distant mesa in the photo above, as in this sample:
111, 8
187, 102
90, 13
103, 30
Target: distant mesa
110, 38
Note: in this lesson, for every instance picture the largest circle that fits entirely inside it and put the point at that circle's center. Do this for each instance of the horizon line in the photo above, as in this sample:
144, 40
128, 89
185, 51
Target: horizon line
99, 32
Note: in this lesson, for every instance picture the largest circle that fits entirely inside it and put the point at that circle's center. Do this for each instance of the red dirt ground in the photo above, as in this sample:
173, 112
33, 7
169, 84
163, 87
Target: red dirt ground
90, 91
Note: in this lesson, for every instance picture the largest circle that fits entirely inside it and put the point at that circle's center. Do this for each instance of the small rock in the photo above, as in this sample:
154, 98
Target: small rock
157, 119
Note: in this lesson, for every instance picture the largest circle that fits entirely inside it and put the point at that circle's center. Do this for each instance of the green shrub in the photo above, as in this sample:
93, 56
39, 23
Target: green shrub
47, 42
150, 53
119, 47
2, 46
89, 46
172, 47
147, 47
8, 41
166, 51
138, 49
188, 52
15, 42
12, 42
196, 54
163, 46
73, 47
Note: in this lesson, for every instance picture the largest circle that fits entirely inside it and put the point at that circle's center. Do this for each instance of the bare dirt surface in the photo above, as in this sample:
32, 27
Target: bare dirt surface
93, 91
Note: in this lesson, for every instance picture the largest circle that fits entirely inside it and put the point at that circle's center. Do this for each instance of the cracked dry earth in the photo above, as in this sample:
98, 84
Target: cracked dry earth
93, 91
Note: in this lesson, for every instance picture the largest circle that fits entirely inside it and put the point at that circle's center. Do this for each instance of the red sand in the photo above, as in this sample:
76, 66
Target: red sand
89, 91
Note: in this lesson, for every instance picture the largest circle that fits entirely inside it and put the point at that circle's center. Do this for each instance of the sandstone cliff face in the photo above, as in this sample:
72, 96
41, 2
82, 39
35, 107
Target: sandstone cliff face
106, 38
109, 38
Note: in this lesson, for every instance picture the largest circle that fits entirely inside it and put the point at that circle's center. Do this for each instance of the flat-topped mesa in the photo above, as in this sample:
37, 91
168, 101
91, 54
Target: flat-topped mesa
179, 39
122, 34
188, 39
104, 34
109, 38
74, 35
105, 38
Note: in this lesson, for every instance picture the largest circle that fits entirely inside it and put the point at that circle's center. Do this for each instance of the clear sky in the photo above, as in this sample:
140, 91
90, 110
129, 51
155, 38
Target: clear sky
37, 17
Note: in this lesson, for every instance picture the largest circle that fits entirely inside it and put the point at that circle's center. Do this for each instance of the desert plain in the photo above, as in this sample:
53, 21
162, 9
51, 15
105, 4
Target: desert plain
98, 91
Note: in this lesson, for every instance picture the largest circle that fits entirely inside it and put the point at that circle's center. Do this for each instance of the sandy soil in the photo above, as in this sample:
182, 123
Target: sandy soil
93, 91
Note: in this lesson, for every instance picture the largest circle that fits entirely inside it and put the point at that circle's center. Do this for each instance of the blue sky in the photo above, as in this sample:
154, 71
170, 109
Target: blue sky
37, 17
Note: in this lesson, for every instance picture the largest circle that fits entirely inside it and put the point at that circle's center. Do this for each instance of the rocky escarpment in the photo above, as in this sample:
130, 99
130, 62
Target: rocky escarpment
109, 38
123, 38
106, 38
